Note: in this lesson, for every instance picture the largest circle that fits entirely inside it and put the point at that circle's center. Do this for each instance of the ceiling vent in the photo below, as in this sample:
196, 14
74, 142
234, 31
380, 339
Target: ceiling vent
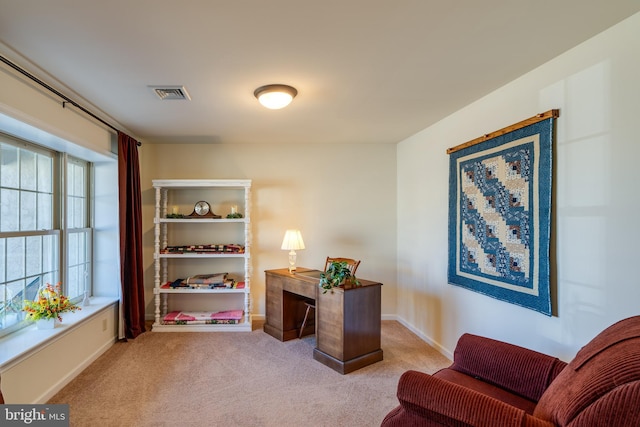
171, 92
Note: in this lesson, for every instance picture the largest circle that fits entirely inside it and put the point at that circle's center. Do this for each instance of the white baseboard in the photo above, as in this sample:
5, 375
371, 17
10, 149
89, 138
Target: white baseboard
48, 394
441, 349
70, 347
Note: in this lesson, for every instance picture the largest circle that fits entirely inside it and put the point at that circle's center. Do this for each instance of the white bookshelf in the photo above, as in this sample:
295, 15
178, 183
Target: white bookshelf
221, 194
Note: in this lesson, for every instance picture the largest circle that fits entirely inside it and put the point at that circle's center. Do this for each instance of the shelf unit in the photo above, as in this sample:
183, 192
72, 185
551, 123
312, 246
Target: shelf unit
167, 190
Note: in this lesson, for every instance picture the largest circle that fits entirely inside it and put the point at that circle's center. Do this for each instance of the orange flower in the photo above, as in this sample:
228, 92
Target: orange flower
49, 304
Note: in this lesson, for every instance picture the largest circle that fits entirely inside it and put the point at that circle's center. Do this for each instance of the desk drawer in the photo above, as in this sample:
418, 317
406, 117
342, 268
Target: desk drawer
306, 288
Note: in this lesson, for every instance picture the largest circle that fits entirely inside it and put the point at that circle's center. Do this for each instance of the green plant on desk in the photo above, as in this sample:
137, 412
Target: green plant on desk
336, 274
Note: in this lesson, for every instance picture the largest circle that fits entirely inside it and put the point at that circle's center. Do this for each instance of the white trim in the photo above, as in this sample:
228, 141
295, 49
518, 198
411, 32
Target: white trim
22, 344
52, 391
442, 350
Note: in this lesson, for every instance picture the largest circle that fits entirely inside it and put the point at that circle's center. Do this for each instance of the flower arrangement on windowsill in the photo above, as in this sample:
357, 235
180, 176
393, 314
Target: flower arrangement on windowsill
49, 304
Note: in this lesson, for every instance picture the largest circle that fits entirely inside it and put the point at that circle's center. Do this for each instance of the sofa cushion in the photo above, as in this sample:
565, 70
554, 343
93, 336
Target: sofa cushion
520, 370
428, 400
602, 383
485, 388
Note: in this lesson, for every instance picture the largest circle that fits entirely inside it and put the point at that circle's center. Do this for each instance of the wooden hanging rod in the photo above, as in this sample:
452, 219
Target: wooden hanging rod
535, 119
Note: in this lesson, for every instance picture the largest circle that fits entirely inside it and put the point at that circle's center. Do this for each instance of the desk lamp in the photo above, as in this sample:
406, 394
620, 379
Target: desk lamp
292, 241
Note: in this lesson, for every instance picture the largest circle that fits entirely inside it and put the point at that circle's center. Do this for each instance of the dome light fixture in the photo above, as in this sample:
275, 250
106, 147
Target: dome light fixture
275, 97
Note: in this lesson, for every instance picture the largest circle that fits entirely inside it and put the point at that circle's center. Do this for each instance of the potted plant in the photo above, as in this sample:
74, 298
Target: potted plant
337, 274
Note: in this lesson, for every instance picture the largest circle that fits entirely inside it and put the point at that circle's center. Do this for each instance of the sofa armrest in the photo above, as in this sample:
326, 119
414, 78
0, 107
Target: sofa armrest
446, 403
522, 371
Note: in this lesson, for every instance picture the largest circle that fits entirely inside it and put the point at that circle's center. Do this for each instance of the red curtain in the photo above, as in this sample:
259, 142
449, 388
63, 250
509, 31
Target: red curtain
130, 209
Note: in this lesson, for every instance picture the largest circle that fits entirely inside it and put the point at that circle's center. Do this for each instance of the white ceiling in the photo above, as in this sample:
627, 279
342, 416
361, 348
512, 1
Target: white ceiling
367, 71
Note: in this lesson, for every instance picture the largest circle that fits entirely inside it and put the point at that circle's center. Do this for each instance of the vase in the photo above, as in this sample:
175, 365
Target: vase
46, 323
86, 301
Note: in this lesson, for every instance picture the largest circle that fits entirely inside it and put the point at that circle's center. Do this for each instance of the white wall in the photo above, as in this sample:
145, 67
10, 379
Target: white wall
60, 354
27, 111
32, 113
597, 89
342, 198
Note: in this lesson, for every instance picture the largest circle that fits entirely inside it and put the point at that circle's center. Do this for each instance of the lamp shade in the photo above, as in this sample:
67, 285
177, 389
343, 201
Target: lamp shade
292, 240
275, 97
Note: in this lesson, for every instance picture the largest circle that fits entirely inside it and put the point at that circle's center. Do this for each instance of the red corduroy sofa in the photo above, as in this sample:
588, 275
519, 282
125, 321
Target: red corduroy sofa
495, 384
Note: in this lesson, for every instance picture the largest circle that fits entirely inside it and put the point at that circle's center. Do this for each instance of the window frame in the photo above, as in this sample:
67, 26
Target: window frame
87, 228
59, 208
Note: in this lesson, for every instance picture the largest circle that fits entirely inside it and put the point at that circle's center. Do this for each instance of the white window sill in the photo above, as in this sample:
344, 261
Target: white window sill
20, 344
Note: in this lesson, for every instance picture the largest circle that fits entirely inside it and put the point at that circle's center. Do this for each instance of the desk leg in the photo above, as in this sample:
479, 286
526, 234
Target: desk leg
348, 365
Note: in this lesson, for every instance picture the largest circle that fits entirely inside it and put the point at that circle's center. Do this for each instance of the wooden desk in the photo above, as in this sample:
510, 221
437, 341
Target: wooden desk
285, 296
347, 320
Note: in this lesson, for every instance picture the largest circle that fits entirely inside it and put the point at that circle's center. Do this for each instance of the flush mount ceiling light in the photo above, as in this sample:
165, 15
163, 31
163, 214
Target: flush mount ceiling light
275, 97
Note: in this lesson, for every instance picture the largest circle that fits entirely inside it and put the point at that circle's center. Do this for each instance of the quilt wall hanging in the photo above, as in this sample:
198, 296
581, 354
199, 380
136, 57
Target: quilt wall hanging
500, 213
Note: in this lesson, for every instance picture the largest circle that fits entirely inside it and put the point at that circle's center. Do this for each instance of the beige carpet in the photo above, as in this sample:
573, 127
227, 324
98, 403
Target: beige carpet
239, 379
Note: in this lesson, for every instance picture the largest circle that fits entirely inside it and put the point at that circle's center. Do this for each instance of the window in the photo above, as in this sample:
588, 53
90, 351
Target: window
78, 230
32, 235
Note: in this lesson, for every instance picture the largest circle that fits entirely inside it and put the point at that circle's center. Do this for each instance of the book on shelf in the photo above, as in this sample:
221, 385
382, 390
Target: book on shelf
228, 284
205, 249
205, 281
200, 317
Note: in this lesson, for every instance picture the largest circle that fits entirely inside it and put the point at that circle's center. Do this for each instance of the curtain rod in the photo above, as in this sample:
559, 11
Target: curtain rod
66, 99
